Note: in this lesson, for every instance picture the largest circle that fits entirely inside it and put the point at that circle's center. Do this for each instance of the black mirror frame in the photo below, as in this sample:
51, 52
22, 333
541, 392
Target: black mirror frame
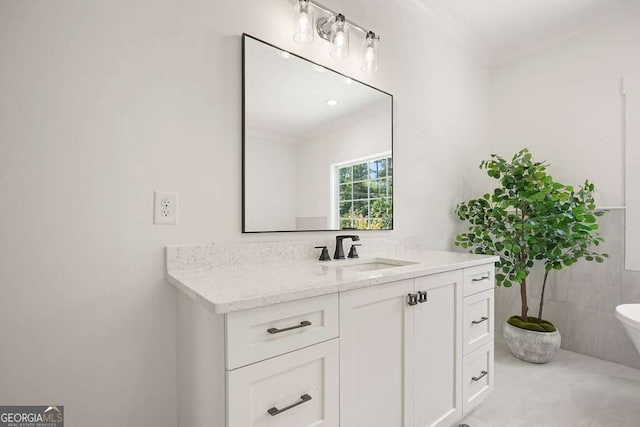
246, 36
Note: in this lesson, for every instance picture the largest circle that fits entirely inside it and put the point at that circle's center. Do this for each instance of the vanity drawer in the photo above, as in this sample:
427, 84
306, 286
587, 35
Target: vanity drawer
478, 279
298, 389
477, 376
477, 320
260, 333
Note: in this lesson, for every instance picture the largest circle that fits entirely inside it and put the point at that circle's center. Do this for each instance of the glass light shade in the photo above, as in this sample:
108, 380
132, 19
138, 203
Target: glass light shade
339, 38
303, 22
370, 54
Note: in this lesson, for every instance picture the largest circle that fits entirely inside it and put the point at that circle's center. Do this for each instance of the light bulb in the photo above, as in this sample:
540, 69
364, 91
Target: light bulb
303, 22
370, 53
339, 38
369, 56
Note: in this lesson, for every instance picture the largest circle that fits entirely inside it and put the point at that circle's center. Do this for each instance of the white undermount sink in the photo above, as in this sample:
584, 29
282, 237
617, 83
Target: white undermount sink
372, 264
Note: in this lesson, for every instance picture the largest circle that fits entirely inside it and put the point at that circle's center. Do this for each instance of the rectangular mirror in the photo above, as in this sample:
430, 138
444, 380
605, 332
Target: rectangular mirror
317, 146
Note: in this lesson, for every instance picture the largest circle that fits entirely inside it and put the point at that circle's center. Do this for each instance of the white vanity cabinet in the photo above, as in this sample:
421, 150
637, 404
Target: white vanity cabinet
416, 352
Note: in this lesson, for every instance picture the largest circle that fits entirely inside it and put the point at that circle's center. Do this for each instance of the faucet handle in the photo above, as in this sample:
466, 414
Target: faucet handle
324, 256
353, 253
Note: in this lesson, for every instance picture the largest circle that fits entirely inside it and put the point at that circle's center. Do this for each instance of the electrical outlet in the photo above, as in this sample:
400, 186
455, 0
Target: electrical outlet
165, 208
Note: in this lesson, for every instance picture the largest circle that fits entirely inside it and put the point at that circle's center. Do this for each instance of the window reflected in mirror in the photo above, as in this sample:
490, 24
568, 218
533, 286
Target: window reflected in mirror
365, 194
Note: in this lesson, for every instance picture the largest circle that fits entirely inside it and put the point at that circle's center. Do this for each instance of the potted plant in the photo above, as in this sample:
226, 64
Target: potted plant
529, 218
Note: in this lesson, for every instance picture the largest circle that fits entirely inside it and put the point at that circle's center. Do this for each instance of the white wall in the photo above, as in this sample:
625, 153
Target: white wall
565, 103
104, 101
270, 182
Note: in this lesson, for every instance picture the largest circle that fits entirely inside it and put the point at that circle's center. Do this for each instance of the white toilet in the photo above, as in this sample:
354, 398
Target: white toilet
629, 315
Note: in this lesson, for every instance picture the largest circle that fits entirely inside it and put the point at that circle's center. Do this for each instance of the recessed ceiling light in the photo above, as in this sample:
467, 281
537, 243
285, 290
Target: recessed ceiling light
332, 102
283, 54
348, 80
319, 68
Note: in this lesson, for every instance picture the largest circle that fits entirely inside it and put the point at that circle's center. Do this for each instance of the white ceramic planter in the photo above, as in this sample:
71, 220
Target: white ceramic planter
531, 346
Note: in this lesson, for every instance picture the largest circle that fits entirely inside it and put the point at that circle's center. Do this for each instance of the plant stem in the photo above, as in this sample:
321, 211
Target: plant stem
523, 296
544, 286
523, 261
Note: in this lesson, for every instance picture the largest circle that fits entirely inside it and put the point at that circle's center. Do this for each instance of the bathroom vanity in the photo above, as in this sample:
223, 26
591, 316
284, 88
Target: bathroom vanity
397, 340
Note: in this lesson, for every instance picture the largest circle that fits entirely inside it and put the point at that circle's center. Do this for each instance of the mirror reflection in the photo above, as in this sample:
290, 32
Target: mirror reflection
317, 146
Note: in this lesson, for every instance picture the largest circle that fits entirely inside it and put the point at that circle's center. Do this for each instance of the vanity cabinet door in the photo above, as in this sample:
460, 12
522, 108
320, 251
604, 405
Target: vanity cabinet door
438, 350
376, 356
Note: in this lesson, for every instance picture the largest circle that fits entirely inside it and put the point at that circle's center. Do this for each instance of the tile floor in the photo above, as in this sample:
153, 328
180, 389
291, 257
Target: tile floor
572, 390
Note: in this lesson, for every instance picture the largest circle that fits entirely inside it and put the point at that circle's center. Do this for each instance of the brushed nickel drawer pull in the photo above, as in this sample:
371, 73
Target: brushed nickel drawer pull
275, 411
480, 279
302, 324
482, 319
482, 374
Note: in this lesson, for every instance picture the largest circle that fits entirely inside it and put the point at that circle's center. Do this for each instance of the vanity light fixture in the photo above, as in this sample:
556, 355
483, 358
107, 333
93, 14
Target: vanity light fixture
334, 27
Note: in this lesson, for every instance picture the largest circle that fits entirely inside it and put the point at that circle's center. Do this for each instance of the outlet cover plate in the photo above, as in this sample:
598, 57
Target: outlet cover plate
165, 208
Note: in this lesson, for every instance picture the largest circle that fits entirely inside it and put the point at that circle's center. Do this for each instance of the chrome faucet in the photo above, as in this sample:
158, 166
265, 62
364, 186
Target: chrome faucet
339, 252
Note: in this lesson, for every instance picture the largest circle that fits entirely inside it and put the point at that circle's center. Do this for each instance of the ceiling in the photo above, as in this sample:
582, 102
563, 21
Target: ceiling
509, 29
287, 96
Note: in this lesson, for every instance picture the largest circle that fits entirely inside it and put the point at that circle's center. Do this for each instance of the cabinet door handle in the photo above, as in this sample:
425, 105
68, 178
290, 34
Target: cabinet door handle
482, 319
412, 299
482, 374
275, 411
302, 324
422, 296
480, 279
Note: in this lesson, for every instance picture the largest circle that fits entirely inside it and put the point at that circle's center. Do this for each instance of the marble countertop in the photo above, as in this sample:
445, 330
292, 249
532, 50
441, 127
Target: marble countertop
224, 289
